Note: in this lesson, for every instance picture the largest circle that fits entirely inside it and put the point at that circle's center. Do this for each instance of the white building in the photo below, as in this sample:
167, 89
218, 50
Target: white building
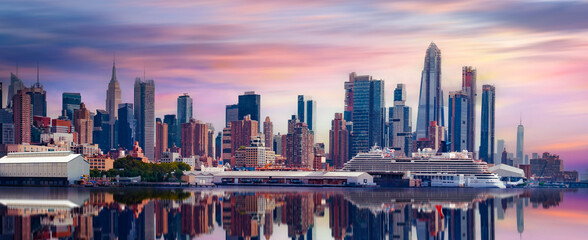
170, 157
42, 168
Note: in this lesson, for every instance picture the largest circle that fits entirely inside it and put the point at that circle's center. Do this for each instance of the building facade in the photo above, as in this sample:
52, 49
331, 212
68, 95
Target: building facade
184, 111
145, 116
194, 138
231, 113
520, 143
70, 103
400, 123
173, 130
268, 133
368, 114
458, 121
22, 117
83, 124
126, 126
338, 142
307, 111
113, 96
469, 75
299, 145
250, 104
431, 95
487, 136
161, 138
242, 132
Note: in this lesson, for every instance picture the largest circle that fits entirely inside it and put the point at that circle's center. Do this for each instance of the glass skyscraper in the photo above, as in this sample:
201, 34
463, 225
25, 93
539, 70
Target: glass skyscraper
173, 129
400, 123
488, 122
250, 104
431, 95
70, 103
520, 143
307, 111
458, 120
469, 88
368, 114
126, 126
184, 108
145, 116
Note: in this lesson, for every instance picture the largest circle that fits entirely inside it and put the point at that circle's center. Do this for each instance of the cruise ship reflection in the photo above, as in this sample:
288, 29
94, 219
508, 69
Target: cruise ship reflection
62, 213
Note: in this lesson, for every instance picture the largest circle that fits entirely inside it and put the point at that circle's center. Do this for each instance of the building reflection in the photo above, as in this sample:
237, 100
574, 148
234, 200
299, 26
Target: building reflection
173, 214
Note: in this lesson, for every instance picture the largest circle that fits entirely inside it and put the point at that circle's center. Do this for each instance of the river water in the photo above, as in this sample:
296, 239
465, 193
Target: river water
292, 213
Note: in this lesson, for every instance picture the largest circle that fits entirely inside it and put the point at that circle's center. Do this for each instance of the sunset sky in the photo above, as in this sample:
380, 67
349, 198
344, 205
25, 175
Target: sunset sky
534, 52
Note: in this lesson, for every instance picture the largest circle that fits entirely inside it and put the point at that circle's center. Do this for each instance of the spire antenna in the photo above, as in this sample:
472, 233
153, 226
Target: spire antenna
37, 74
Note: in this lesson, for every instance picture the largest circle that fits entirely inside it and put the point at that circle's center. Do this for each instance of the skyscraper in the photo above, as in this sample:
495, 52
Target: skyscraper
161, 138
70, 103
210, 139
487, 128
218, 145
468, 86
299, 145
348, 109
499, 149
400, 122
22, 117
520, 143
227, 146
338, 142
38, 98
431, 96
83, 124
194, 139
307, 111
268, 133
172, 130
231, 113
242, 132
101, 132
113, 95
458, 121
184, 108
145, 116
15, 85
250, 104
126, 126
368, 114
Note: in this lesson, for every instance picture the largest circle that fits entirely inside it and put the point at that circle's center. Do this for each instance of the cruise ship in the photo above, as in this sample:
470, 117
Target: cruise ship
453, 169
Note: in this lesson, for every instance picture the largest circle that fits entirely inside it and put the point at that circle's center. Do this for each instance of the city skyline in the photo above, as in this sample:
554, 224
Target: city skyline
537, 71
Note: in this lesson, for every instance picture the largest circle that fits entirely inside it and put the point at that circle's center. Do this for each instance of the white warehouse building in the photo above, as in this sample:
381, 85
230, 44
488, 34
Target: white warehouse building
42, 168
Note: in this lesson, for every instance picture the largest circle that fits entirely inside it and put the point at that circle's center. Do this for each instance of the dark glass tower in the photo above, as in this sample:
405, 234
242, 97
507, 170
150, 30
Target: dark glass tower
368, 114
468, 86
400, 122
184, 108
307, 111
70, 103
487, 128
172, 130
458, 120
126, 126
431, 95
249, 104
101, 132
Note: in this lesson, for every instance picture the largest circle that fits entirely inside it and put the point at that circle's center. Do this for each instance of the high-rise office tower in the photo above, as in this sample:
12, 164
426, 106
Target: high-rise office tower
227, 147
145, 116
38, 98
22, 117
431, 95
194, 139
242, 132
231, 113
458, 121
348, 109
520, 143
299, 145
70, 103
278, 144
368, 114
101, 132
184, 108
487, 120
500, 147
250, 104
15, 85
126, 126
468, 86
172, 130
268, 133
218, 145
113, 95
161, 138
338, 142
210, 139
83, 124
400, 123
307, 111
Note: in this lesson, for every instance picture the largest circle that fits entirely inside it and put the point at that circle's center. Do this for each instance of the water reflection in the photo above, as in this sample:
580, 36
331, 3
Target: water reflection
268, 213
